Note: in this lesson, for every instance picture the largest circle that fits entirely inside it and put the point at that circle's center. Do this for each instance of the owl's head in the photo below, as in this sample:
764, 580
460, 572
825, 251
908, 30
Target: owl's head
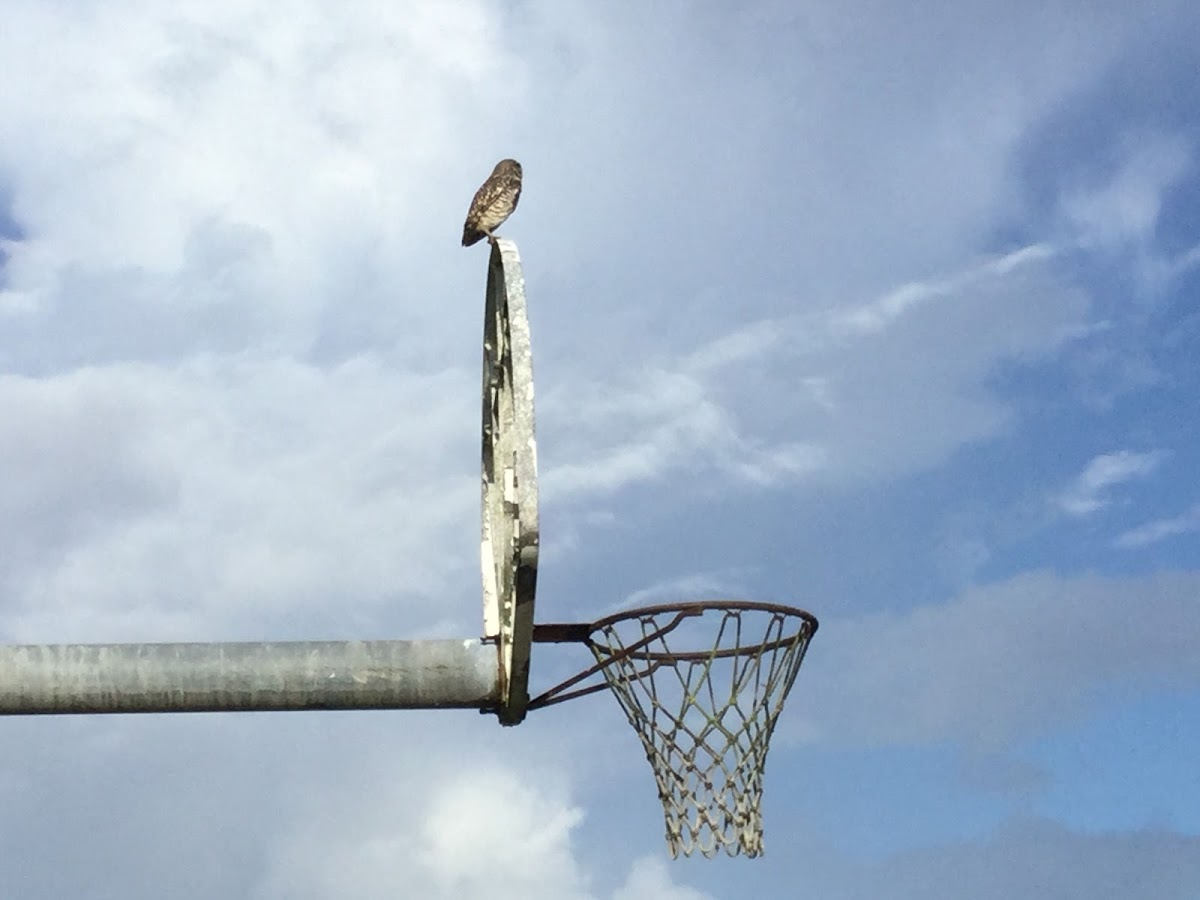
508, 167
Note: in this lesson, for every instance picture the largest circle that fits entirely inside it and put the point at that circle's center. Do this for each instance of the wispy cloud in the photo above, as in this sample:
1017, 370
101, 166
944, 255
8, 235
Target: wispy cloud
1161, 529
841, 394
881, 313
1087, 494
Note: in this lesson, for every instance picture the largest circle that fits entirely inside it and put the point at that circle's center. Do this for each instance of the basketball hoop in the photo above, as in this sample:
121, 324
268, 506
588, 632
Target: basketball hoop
702, 683
704, 716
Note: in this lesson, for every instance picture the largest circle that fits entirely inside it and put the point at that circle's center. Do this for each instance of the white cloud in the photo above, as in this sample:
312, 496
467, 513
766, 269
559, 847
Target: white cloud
485, 831
1160, 529
490, 834
217, 176
650, 880
454, 826
214, 497
667, 424
1086, 495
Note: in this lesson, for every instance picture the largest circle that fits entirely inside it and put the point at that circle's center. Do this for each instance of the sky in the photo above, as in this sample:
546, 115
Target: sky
888, 311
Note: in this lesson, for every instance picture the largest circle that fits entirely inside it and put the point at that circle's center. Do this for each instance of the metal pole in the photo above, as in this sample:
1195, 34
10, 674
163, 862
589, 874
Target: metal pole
248, 677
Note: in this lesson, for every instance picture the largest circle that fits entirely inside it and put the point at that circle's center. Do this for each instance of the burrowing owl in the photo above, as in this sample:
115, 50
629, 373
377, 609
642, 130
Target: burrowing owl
494, 202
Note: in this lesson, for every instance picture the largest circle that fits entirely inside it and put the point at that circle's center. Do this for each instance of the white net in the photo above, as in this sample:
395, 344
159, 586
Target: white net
705, 717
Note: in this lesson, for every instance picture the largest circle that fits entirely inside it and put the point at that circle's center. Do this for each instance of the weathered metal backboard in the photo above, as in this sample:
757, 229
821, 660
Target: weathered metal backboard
509, 538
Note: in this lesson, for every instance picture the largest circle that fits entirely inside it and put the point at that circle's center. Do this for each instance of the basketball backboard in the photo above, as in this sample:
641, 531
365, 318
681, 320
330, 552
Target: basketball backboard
509, 533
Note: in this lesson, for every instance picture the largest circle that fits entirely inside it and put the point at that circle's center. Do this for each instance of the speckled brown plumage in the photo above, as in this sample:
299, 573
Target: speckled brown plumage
494, 202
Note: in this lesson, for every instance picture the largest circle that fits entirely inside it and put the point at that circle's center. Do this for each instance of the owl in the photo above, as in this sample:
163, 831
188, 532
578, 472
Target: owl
494, 202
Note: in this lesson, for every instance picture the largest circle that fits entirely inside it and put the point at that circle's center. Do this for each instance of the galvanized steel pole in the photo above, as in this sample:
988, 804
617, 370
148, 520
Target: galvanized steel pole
247, 677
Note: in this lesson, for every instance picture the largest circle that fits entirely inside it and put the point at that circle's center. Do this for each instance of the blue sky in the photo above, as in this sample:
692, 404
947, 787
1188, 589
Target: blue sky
887, 312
